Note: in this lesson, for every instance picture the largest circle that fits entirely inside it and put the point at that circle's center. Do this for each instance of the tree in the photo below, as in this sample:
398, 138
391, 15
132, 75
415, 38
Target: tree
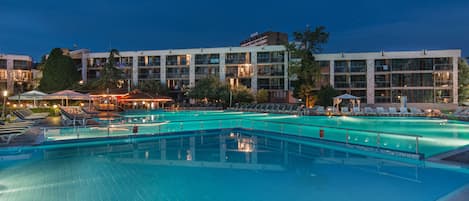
326, 94
242, 94
109, 75
59, 72
303, 65
306, 93
262, 96
154, 87
463, 81
210, 89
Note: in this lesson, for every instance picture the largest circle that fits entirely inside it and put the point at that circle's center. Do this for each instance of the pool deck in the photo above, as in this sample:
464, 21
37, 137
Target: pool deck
460, 194
31, 137
458, 157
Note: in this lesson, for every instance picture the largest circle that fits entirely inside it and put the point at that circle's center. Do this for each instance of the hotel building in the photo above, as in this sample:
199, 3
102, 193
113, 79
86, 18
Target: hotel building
256, 67
266, 38
15, 72
428, 77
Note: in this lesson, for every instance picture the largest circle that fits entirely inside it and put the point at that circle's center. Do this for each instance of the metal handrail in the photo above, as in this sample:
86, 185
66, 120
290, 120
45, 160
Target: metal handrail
340, 128
179, 126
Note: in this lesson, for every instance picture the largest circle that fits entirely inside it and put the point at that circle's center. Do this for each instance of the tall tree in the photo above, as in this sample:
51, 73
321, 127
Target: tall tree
154, 87
211, 89
326, 95
59, 72
110, 76
262, 96
463, 81
303, 65
241, 94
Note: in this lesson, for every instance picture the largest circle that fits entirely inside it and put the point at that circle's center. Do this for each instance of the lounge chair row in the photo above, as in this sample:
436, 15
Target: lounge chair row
73, 116
10, 130
367, 111
27, 115
270, 108
461, 113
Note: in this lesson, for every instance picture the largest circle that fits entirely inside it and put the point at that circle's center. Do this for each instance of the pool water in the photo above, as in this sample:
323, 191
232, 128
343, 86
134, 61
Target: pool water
220, 165
426, 136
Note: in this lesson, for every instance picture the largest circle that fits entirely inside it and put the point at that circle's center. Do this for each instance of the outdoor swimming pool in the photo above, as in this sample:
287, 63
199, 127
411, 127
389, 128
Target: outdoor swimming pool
220, 165
425, 136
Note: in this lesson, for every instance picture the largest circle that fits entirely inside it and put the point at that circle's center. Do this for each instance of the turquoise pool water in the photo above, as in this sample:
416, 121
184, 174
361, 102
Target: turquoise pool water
435, 136
213, 166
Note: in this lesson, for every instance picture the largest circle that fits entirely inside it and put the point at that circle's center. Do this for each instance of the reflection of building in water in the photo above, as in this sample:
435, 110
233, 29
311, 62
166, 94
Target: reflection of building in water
228, 150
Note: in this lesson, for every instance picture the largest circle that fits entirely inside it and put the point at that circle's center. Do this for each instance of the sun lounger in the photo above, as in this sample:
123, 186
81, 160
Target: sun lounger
403, 111
380, 111
357, 111
344, 110
416, 112
73, 117
10, 130
369, 111
393, 111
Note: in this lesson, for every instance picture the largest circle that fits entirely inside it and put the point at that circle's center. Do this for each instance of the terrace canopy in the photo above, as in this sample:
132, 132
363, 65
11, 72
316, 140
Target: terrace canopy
136, 97
339, 99
67, 95
107, 100
30, 95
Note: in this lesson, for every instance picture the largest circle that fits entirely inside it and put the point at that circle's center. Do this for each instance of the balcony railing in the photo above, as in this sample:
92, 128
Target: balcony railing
149, 76
177, 75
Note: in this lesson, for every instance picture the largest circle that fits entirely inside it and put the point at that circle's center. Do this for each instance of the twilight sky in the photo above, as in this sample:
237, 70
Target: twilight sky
34, 27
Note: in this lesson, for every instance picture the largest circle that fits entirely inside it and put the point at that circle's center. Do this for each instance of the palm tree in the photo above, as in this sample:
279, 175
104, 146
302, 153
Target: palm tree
303, 64
110, 75
306, 93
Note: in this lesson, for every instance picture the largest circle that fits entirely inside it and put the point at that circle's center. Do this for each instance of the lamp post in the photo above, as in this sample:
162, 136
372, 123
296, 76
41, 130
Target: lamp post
5, 94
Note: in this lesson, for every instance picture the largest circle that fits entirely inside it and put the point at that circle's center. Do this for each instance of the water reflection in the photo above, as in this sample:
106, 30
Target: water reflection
235, 150
215, 166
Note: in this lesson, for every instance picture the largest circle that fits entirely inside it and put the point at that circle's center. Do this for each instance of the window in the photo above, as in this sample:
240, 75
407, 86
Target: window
154, 61
341, 66
444, 63
358, 66
412, 80
207, 59
383, 81
340, 81
141, 61
237, 58
21, 64
382, 65
3, 63
412, 64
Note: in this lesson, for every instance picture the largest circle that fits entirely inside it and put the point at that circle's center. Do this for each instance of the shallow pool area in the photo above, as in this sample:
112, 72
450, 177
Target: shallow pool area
220, 165
418, 135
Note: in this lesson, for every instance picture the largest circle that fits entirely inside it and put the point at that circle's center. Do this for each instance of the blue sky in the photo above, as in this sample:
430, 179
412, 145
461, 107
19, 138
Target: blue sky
34, 27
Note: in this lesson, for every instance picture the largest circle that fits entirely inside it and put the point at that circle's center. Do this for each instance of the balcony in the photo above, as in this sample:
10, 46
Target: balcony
341, 85
149, 76
383, 84
358, 84
443, 67
177, 75
341, 69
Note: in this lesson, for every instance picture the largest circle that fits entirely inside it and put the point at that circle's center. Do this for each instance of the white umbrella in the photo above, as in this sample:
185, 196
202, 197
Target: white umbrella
338, 99
30, 95
67, 94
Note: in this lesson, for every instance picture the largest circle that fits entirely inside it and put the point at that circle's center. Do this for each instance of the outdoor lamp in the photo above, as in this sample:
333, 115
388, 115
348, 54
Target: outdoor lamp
5, 94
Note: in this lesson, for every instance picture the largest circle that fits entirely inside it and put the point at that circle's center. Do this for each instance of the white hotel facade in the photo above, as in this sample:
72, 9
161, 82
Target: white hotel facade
15, 72
428, 76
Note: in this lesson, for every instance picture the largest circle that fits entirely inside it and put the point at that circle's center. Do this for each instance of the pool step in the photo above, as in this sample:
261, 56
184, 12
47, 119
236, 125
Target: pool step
460, 194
